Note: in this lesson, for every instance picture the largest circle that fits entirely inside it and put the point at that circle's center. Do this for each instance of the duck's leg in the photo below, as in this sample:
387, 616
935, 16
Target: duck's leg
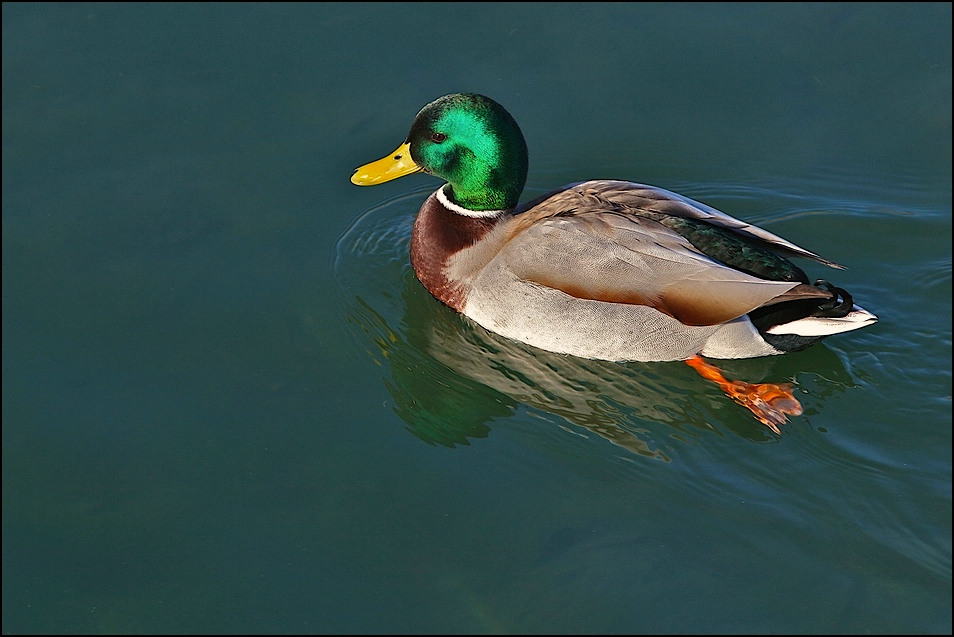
770, 402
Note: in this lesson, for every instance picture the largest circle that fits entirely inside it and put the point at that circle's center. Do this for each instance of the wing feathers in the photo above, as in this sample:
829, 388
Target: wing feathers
621, 258
624, 196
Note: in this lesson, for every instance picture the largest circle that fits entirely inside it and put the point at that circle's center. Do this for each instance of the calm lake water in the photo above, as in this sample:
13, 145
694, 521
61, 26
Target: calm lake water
228, 405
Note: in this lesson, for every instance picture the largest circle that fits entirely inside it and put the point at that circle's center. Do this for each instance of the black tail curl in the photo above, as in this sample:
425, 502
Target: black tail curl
839, 305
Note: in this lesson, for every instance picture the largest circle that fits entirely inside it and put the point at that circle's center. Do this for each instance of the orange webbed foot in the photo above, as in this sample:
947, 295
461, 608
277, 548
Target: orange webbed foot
770, 403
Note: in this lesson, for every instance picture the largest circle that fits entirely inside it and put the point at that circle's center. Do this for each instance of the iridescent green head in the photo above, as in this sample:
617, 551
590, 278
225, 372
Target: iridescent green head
470, 141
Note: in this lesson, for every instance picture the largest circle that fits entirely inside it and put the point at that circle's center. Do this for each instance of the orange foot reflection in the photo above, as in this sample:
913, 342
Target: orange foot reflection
769, 402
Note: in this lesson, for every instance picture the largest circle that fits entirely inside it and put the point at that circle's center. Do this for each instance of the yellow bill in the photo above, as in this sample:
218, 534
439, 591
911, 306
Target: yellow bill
397, 164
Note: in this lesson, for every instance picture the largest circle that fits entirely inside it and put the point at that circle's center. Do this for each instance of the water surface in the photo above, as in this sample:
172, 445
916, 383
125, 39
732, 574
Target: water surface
229, 406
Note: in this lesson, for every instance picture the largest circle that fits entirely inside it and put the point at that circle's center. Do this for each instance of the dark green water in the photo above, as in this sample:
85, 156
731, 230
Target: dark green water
229, 407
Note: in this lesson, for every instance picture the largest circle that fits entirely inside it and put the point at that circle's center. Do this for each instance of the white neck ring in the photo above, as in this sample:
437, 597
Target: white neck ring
453, 207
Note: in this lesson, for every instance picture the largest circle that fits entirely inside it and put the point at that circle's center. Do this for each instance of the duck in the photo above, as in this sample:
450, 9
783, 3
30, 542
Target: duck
604, 269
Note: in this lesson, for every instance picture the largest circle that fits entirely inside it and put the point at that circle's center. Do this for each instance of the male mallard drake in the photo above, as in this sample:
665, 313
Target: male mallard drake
603, 269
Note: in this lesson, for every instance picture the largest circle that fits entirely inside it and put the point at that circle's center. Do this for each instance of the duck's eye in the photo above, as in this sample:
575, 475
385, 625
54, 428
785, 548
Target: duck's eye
437, 138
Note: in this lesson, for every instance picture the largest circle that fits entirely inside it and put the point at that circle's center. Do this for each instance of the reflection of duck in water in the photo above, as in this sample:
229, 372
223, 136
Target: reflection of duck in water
450, 379
606, 270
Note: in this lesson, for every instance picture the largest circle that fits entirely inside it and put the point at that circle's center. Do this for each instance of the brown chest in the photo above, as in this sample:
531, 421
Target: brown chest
438, 235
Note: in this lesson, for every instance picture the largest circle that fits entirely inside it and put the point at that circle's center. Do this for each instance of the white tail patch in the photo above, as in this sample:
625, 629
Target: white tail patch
857, 318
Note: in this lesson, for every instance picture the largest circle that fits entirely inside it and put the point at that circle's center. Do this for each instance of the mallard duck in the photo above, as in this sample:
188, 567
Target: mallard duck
604, 269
